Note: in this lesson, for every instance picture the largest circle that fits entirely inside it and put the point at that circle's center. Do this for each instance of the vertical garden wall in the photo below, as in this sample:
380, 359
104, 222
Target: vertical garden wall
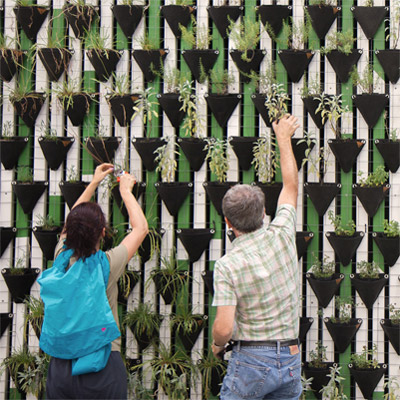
110, 81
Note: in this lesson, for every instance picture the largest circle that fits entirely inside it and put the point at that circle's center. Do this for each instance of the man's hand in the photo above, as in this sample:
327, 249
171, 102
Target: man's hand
101, 172
218, 351
285, 127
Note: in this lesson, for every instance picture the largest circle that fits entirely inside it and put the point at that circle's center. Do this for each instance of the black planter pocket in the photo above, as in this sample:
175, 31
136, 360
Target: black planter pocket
5, 321
322, 195
144, 340
55, 61
126, 284
243, 148
295, 62
146, 148
200, 62
370, 18
303, 240
216, 192
222, 15
389, 247
150, 244
342, 333
28, 194
274, 15
80, 18
299, 150
369, 289
271, 192
259, 102
173, 194
55, 150
222, 106
371, 197
343, 63
371, 106
346, 151
31, 19
19, 285
128, 17
76, 107
193, 149
188, 339
245, 67
195, 241
177, 15
104, 62
102, 149
47, 240
72, 191
137, 190
367, 379
322, 18
149, 61
6, 236
345, 247
11, 149
169, 286
319, 375
208, 278
305, 325
325, 289
390, 61
311, 106
390, 151
9, 61
28, 108
392, 332
171, 105
122, 107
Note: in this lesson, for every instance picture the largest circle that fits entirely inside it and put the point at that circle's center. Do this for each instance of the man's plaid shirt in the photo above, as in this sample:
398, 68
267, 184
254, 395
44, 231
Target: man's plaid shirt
260, 277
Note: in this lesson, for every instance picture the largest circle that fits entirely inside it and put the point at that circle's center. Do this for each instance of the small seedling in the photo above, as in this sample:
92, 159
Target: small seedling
366, 360
220, 79
366, 81
348, 229
377, 178
318, 356
340, 41
199, 37
344, 307
324, 269
394, 314
391, 228
368, 270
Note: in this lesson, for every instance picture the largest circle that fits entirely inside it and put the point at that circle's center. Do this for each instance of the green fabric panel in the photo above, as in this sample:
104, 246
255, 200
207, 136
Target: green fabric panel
89, 123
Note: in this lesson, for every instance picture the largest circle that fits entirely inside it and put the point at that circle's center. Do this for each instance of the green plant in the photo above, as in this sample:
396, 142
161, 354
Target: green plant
334, 389
154, 237
374, 179
322, 3
122, 85
264, 80
347, 229
365, 360
340, 41
146, 105
393, 28
124, 282
206, 366
24, 174
324, 269
46, 222
318, 161
96, 40
218, 155
368, 270
265, 159
185, 322
391, 228
306, 386
147, 43
311, 88
72, 174
67, 90
294, 34
366, 81
173, 79
344, 306
136, 388
22, 90
166, 161
7, 131
393, 388
318, 356
275, 101
220, 79
183, 2
48, 133
199, 37
35, 315
192, 121
245, 36
394, 314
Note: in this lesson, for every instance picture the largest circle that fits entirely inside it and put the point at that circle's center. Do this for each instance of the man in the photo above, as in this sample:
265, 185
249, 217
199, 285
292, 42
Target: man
256, 288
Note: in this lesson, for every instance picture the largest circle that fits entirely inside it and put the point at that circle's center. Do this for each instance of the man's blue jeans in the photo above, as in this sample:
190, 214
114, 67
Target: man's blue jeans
261, 372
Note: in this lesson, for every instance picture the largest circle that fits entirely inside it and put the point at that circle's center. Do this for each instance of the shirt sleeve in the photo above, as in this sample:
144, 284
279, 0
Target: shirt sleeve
59, 248
224, 292
285, 220
118, 258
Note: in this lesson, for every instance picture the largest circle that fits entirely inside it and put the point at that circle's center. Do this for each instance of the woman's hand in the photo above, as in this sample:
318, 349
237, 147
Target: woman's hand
127, 181
101, 172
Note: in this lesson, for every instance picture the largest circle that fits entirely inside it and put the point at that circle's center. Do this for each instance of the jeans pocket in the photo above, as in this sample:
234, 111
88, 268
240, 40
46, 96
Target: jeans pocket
295, 379
248, 379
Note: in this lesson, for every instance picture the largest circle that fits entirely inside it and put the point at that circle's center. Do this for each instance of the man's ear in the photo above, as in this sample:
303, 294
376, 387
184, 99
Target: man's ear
228, 223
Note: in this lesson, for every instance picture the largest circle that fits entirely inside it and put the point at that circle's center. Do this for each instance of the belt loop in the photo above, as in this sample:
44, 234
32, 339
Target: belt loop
238, 344
278, 347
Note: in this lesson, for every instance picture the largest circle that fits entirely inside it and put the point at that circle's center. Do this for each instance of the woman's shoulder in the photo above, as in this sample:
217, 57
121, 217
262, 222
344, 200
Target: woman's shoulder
117, 255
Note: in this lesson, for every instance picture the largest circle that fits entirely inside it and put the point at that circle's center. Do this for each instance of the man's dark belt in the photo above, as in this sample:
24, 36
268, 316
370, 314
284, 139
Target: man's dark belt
267, 343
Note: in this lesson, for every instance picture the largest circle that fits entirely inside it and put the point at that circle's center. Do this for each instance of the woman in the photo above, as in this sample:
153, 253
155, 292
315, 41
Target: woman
80, 292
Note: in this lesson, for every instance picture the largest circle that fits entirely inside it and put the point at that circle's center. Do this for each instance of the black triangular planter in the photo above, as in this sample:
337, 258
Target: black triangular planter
259, 102
5, 320
102, 149
80, 18
55, 150
222, 106
189, 339
390, 151
149, 61
6, 235
122, 107
134, 277
369, 289
390, 61
173, 194
20, 285
392, 332
28, 108
370, 18
171, 105
104, 62
144, 340
322, 195
305, 325
343, 333
322, 18
195, 241
221, 16
77, 108
47, 240
193, 148
72, 191
303, 240
216, 192
217, 376
177, 15
145, 248
55, 61
245, 67
325, 289
31, 19
243, 148
299, 150
295, 62
371, 106
346, 151
274, 15
345, 247
367, 379
28, 194
319, 375
311, 106
271, 192
137, 190
128, 17
9, 61
164, 289
208, 278
11, 149
146, 148
343, 63
389, 247
371, 197
200, 60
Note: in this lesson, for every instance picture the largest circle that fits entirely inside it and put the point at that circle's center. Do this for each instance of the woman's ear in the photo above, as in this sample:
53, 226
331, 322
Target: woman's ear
103, 233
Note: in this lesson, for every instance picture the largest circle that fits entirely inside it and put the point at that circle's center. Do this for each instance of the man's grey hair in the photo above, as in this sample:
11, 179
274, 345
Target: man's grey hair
243, 206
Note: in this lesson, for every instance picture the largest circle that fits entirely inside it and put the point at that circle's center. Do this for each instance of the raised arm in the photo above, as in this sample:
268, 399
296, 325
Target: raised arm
284, 131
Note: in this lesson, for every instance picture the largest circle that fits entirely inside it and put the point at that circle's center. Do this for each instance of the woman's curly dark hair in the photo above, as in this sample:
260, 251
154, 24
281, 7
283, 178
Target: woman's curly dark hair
84, 227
